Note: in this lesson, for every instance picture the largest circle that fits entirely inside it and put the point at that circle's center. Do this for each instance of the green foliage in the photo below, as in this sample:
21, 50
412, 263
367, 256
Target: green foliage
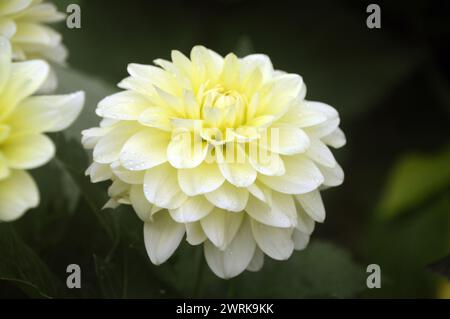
415, 179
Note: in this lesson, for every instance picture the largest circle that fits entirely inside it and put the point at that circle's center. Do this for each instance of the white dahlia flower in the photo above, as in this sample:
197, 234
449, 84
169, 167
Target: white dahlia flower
23, 120
23, 22
224, 150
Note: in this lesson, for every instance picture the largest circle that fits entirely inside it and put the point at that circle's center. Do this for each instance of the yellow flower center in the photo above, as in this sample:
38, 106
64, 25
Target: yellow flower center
222, 108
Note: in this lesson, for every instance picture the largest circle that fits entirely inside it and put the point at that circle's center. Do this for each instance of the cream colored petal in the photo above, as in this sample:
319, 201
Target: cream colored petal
235, 258
186, 150
99, 172
13, 6
161, 187
192, 210
300, 239
194, 233
145, 149
302, 176
320, 153
274, 242
257, 261
313, 205
47, 113
285, 140
28, 151
229, 197
305, 223
125, 105
108, 148
202, 179
18, 193
140, 204
162, 237
5, 62
335, 139
265, 161
236, 168
127, 176
25, 79
332, 176
221, 226
280, 213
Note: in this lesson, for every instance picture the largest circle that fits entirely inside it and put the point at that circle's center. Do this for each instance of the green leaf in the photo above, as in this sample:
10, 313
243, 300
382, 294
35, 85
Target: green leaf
415, 179
20, 265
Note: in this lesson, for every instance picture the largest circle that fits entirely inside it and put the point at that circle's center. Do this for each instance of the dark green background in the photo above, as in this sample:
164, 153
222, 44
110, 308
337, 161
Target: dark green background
391, 87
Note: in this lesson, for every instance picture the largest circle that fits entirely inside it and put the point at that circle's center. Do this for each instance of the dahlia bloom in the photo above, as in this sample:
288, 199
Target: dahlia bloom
223, 150
23, 22
23, 120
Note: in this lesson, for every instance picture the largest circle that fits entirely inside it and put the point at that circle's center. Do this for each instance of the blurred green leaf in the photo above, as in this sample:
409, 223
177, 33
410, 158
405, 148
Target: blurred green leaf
414, 179
20, 265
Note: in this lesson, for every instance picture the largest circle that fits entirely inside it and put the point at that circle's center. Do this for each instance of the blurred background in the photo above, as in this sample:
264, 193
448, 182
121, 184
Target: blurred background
391, 87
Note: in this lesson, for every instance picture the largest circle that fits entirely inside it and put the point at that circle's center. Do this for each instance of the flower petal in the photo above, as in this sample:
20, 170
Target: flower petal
335, 139
301, 176
108, 148
195, 234
202, 179
221, 226
229, 197
140, 204
273, 241
313, 205
145, 149
161, 187
18, 193
320, 153
235, 258
47, 113
186, 150
280, 213
162, 237
28, 151
193, 209
257, 261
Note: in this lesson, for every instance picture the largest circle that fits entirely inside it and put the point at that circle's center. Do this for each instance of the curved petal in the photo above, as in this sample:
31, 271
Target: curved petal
235, 258
161, 187
320, 153
281, 212
313, 205
300, 239
229, 197
108, 148
125, 105
140, 204
335, 139
193, 209
145, 149
235, 167
47, 113
195, 234
162, 237
18, 193
28, 151
302, 176
273, 241
221, 226
186, 150
332, 176
199, 180
257, 261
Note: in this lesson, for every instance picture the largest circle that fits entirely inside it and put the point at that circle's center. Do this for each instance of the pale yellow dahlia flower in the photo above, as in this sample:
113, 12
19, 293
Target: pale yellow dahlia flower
23, 120
23, 22
224, 150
